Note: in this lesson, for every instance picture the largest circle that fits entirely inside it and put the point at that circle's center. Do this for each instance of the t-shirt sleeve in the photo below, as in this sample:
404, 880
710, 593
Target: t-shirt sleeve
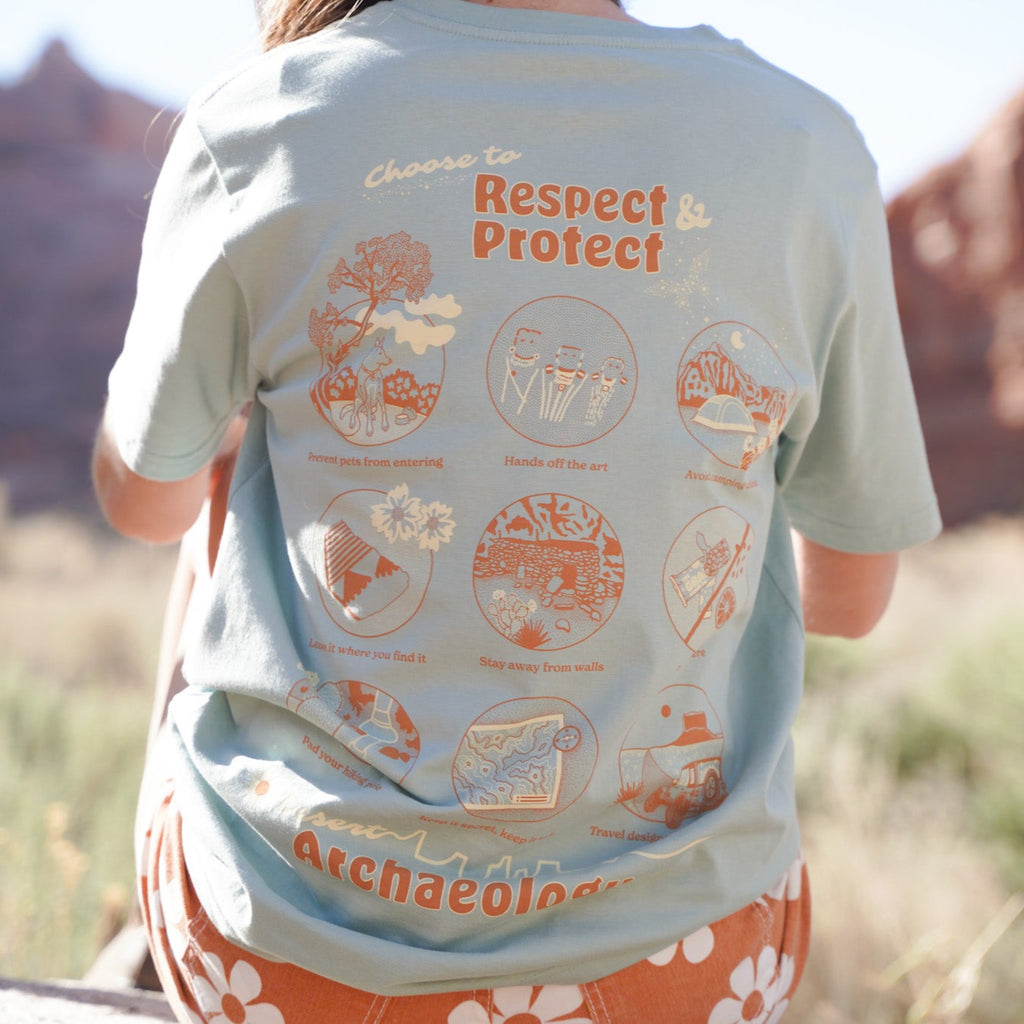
856, 478
183, 372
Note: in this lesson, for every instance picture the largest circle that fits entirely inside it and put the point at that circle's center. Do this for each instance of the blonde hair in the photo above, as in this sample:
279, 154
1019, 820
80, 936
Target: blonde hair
285, 20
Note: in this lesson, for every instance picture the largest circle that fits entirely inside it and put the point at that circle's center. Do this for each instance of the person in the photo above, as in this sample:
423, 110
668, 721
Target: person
577, 393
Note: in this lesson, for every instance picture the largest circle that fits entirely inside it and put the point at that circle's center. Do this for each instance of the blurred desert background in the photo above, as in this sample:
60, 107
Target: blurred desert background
910, 746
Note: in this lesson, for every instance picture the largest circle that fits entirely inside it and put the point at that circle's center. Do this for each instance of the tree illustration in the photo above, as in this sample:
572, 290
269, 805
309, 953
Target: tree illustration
386, 268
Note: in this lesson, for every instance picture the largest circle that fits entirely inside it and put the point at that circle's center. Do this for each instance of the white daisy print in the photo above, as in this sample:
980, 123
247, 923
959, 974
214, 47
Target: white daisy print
167, 910
523, 1004
397, 517
167, 905
192, 1018
758, 991
696, 948
469, 1012
231, 1001
790, 885
781, 987
435, 525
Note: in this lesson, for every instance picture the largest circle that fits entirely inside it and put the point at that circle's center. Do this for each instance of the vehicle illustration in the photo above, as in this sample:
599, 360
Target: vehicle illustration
687, 789
671, 764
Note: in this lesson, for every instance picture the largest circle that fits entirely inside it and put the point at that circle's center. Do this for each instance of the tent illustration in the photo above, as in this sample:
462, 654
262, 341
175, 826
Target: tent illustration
727, 413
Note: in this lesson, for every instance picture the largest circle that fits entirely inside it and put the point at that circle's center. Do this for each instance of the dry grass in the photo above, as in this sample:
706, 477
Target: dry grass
80, 615
916, 915
908, 759
79, 604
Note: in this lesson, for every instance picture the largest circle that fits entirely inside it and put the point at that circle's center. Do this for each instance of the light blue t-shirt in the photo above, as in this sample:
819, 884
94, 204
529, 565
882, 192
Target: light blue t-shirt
554, 326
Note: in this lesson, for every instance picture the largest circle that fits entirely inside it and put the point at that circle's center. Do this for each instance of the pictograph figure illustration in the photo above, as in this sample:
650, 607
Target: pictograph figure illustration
611, 376
548, 571
369, 722
378, 396
671, 763
562, 381
704, 575
733, 393
377, 557
524, 760
521, 367
542, 358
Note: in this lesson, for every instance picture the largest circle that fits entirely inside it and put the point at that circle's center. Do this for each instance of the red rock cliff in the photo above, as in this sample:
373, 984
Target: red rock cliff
77, 161
958, 253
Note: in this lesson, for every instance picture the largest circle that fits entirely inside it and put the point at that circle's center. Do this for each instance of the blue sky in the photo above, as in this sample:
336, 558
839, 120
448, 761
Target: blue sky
920, 76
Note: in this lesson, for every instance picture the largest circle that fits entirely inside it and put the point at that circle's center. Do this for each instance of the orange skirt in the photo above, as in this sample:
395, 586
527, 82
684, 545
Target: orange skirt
743, 969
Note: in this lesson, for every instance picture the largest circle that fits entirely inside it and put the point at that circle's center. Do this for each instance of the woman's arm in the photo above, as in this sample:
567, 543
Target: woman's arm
150, 510
843, 594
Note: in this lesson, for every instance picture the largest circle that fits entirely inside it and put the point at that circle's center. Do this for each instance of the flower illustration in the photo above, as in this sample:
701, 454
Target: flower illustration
759, 993
525, 1005
397, 516
230, 1001
435, 525
696, 948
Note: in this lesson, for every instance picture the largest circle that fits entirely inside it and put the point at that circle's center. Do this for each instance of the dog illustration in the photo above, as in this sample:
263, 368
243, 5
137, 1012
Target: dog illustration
370, 389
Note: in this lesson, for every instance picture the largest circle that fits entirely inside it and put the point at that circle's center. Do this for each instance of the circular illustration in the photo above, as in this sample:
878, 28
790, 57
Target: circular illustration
548, 571
375, 557
369, 722
561, 371
671, 761
733, 392
525, 760
382, 357
704, 581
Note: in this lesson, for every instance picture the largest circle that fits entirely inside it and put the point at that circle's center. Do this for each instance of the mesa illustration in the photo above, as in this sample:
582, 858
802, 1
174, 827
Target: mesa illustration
671, 760
381, 357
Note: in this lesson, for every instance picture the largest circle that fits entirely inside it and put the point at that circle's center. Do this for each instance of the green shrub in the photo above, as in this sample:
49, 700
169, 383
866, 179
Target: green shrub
966, 724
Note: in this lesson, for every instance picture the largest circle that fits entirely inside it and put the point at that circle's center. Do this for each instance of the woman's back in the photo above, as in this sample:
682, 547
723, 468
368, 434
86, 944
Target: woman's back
497, 677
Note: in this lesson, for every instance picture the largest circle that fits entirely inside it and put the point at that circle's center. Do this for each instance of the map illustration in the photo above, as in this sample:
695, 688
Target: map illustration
525, 760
